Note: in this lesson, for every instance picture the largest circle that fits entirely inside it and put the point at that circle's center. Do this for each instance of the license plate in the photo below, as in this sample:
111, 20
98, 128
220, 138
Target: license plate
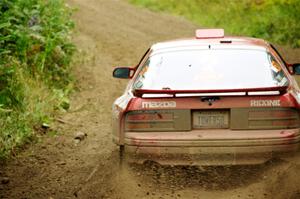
211, 119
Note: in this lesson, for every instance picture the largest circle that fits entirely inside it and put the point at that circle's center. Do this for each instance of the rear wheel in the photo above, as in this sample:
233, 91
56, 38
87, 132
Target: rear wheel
121, 156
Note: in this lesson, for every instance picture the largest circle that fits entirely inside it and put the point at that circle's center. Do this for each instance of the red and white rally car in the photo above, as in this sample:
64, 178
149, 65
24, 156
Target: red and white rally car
209, 100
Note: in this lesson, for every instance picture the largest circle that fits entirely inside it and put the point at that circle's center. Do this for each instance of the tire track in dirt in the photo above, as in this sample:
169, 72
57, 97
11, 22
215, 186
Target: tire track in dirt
111, 32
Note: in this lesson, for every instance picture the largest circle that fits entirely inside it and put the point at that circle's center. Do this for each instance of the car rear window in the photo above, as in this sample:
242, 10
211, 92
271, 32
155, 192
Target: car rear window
210, 69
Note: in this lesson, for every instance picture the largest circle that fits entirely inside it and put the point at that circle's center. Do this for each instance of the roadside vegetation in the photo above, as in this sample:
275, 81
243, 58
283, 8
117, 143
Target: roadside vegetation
35, 55
274, 20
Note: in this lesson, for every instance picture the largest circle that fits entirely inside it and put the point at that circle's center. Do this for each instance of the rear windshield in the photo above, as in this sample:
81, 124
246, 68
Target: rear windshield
210, 69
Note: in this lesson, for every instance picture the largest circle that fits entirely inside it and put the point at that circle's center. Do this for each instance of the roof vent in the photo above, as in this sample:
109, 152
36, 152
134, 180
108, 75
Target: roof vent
209, 33
225, 41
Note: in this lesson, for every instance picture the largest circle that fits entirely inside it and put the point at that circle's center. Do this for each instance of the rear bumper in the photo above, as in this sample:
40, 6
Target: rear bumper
211, 147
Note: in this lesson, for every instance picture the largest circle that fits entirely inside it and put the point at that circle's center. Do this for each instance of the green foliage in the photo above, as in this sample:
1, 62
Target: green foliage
35, 55
274, 20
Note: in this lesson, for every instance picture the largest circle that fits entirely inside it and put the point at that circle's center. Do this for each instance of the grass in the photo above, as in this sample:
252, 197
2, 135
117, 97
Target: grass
274, 20
35, 55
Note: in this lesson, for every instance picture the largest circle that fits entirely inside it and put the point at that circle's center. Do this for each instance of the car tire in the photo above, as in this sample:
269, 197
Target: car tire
121, 156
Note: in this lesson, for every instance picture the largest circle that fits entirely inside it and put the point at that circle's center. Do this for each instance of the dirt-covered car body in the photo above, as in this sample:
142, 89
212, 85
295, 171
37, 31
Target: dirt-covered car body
210, 100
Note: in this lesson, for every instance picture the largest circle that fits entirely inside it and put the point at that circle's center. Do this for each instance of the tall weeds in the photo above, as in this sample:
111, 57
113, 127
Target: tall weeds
274, 20
35, 55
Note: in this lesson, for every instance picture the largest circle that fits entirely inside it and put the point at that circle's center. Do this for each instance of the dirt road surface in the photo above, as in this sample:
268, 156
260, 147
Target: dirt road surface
109, 33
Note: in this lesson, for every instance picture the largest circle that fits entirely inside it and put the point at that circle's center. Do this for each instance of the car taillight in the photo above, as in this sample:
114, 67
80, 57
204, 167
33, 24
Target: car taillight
160, 120
274, 118
265, 118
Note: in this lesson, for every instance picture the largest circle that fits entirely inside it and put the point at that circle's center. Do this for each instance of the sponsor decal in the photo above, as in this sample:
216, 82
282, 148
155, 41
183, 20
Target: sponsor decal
260, 103
167, 104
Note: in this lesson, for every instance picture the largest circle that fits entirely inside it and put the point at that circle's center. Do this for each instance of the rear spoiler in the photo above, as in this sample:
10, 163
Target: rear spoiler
141, 92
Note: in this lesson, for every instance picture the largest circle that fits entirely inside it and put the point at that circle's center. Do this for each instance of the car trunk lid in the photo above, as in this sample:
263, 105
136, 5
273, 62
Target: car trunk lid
221, 112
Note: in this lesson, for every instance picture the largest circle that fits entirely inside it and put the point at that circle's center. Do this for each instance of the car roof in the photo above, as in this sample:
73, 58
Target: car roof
226, 41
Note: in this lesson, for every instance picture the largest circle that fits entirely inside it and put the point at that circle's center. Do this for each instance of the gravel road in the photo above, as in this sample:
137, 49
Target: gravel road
110, 33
